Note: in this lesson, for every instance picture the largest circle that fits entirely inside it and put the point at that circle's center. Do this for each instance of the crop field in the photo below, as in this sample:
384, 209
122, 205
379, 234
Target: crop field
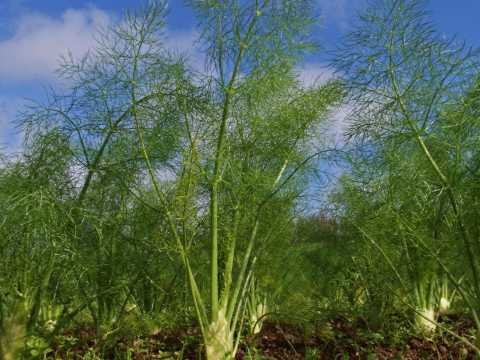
162, 209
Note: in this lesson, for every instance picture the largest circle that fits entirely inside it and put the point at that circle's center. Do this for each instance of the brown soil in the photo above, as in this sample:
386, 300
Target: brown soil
339, 338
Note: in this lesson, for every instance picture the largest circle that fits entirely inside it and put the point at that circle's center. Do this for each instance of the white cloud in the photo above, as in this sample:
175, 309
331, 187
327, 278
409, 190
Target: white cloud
33, 52
39, 40
338, 124
315, 73
332, 132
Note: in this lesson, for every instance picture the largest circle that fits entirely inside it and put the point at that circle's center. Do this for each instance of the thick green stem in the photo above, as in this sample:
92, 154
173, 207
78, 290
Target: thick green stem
217, 170
243, 271
230, 258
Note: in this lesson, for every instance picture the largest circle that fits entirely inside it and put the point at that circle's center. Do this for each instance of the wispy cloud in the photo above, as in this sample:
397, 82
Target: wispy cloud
315, 73
36, 43
332, 131
33, 52
338, 123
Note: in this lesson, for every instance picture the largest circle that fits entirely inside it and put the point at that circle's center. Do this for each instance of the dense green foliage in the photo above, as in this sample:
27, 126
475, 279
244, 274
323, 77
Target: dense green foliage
150, 196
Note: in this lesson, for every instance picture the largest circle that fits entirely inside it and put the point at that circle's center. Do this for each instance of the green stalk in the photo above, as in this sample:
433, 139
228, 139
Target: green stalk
230, 258
217, 169
243, 296
243, 271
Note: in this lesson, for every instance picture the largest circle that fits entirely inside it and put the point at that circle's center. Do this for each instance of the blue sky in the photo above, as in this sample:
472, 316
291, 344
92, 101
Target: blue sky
34, 33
